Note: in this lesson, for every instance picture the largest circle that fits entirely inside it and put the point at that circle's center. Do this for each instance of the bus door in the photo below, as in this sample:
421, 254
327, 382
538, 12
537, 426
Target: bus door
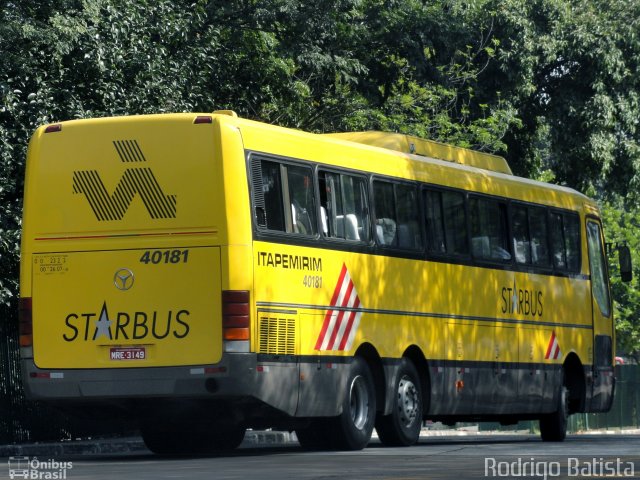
603, 335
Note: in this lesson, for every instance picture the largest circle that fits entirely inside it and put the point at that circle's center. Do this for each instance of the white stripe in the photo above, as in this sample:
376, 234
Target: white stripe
327, 334
555, 349
334, 313
352, 333
345, 317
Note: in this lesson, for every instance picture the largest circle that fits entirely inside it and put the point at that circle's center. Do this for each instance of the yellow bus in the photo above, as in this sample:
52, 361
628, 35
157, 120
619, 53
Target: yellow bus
203, 274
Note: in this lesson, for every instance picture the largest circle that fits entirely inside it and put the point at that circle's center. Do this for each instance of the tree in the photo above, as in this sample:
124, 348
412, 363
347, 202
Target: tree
621, 227
570, 67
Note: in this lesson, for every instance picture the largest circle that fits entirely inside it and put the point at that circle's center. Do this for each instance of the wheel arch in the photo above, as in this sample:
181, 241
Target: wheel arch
370, 355
415, 354
575, 382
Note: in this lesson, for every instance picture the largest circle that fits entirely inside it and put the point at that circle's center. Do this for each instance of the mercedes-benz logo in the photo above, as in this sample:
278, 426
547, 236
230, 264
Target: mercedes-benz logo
123, 279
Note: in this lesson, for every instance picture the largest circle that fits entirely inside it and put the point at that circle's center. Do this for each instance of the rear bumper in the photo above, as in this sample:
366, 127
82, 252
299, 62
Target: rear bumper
237, 376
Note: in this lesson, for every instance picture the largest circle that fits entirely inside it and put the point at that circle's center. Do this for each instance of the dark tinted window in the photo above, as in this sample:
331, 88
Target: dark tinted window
446, 222
521, 238
564, 232
301, 199
396, 209
344, 209
530, 236
556, 235
539, 236
273, 202
572, 241
284, 197
598, 268
488, 221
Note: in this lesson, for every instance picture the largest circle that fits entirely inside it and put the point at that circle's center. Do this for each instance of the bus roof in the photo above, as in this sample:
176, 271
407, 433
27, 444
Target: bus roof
428, 148
463, 172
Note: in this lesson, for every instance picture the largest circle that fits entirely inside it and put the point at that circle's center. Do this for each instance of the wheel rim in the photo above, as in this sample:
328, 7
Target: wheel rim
408, 401
359, 402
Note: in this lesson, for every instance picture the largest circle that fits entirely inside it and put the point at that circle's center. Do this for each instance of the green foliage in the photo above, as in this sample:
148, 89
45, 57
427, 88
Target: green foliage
571, 69
621, 224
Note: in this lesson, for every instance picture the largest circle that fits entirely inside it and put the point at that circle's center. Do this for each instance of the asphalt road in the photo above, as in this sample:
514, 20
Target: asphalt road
459, 458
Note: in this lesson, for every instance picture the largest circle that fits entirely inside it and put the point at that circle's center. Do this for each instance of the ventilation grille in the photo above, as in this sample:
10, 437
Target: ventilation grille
278, 335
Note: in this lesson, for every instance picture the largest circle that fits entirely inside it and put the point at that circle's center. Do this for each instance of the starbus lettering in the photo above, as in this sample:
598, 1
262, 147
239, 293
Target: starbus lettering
293, 262
139, 325
522, 301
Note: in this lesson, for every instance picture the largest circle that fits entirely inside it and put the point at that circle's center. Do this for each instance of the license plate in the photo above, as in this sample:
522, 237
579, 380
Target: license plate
130, 353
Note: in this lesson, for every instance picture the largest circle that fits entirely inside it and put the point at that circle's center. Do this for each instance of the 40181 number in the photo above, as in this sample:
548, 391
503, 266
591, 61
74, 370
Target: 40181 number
164, 256
312, 281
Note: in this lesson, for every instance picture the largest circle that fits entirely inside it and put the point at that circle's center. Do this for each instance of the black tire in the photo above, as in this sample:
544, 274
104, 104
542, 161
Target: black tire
351, 430
553, 426
402, 426
314, 436
166, 441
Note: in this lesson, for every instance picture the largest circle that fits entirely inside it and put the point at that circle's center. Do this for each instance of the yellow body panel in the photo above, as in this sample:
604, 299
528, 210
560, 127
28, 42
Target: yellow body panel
168, 308
452, 312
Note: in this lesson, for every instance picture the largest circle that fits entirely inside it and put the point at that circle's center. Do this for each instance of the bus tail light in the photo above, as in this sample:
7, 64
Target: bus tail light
236, 320
25, 322
203, 119
54, 127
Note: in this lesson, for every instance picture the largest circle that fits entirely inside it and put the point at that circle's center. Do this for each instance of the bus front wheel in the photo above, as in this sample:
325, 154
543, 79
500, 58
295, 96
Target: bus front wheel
553, 426
402, 426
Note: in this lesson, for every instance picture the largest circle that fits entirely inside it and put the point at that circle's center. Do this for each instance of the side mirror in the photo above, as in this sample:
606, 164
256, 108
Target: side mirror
624, 257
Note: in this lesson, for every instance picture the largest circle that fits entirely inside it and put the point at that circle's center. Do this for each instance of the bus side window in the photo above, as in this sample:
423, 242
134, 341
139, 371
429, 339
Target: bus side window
409, 232
434, 222
488, 219
557, 241
529, 229
290, 186
521, 238
565, 241
272, 191
539, 236
572, 241
343, 206
384, 204
446, 222
302, 198
396, 208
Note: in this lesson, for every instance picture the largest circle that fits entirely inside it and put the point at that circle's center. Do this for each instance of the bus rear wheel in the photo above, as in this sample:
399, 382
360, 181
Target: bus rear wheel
553, 426
402, 426
315, 435
351, 430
